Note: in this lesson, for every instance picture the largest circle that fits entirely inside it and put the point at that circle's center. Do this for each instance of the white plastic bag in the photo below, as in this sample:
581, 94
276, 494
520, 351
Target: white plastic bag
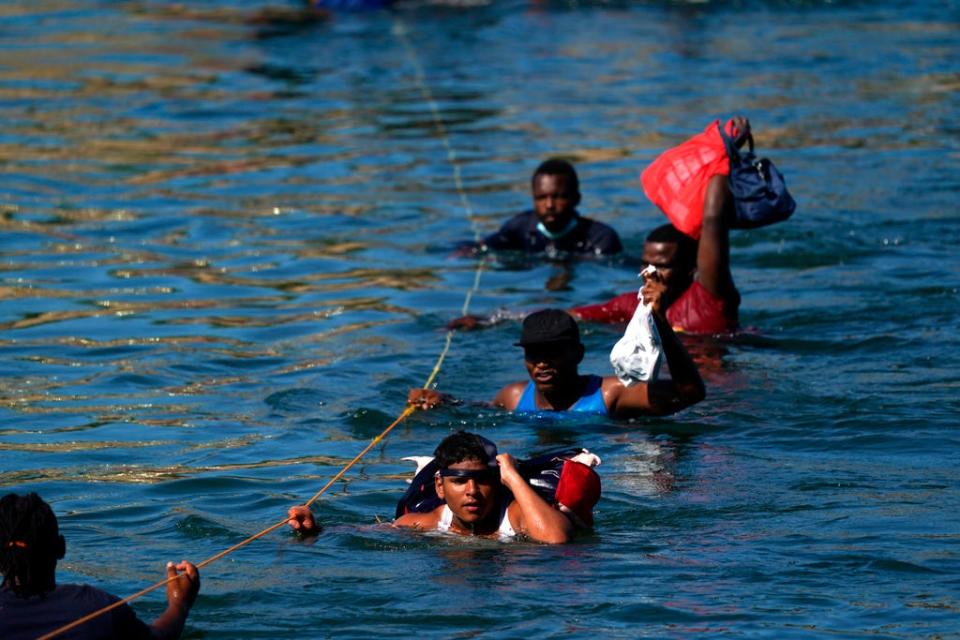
637, 356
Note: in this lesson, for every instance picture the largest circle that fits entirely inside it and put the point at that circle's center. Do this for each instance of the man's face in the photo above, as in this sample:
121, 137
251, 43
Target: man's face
552, 366
675, 275
555, 201
471, 500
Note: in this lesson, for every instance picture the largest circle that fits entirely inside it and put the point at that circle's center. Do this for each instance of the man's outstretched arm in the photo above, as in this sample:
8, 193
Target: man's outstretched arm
181, 593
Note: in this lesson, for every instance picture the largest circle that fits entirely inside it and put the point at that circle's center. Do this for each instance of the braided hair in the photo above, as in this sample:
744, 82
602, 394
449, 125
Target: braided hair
30, 544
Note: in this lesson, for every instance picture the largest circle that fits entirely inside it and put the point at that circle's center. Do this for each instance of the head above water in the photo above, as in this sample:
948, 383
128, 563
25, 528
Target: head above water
30, 544
551, 349
468, 480
556, 194
462, 446
669, 234
674, 254
548, 327
557, 167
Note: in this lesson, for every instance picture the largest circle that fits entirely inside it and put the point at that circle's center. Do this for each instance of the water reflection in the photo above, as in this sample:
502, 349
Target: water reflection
225, 259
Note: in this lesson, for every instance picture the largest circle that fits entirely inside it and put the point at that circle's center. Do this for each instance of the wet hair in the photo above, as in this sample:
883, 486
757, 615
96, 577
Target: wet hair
557, 167
686, 246
461, 446
30, 544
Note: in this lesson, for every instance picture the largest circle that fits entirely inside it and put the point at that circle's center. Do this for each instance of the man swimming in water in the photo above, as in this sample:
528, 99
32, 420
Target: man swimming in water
483, 494
32, 603
552, 352
697, 288
554, 225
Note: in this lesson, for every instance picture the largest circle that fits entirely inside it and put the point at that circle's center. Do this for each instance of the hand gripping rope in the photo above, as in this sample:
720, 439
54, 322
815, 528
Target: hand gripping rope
400, 31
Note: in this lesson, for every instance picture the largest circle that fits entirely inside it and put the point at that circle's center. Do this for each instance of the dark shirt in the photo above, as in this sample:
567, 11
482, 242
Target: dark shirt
520, 233
32, 617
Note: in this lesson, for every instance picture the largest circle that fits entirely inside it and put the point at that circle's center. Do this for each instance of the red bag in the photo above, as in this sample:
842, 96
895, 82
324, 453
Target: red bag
677, 180
578, 490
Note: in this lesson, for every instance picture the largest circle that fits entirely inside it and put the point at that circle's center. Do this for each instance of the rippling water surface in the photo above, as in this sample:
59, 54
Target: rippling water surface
227, 254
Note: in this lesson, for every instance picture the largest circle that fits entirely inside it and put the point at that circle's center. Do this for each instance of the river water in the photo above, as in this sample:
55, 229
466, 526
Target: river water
227, 254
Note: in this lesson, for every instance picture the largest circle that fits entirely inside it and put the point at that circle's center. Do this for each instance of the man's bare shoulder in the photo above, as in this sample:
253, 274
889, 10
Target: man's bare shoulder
420, 521
509, 396
623, 401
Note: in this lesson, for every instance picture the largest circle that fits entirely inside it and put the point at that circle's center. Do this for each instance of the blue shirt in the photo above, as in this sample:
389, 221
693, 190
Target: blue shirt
591, 401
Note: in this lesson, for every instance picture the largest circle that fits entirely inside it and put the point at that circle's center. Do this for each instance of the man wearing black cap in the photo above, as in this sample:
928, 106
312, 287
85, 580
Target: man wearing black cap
552, 351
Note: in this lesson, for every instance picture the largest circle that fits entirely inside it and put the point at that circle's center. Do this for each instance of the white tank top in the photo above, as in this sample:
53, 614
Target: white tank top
505, 530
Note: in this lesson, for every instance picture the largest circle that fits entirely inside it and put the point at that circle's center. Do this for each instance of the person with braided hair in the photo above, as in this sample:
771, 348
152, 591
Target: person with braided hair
32, 603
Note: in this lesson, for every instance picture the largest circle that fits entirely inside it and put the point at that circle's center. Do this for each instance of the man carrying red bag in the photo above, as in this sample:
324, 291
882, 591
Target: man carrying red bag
690, 183
692, 255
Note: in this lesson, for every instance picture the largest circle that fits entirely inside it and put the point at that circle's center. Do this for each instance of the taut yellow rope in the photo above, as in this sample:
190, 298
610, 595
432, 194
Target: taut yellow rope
76, 623
401, 32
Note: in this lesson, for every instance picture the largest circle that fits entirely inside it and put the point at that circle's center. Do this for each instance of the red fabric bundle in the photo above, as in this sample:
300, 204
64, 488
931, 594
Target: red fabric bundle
578, 490
677, 180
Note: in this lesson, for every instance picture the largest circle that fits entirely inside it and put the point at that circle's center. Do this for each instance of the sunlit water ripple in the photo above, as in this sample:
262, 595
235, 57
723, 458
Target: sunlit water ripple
226, 255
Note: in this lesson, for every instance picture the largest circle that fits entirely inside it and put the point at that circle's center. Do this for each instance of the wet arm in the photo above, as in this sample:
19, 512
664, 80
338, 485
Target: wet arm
660, 397
472, 322
685, 387
615, 310
509, 396
181, 593
425, 399
419, 521
536, 519
713, 252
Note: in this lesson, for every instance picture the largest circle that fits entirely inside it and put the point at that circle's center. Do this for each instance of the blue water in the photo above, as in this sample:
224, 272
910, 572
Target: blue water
226, 256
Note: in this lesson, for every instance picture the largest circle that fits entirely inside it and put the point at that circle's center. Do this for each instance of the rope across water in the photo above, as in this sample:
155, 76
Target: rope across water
76, 623
401, 32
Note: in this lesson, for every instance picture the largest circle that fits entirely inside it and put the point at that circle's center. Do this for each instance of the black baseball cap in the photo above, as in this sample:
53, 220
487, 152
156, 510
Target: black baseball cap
549, 326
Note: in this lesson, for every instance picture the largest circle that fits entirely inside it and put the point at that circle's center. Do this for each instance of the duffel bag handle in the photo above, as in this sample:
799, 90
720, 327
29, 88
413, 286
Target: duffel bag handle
733, 152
